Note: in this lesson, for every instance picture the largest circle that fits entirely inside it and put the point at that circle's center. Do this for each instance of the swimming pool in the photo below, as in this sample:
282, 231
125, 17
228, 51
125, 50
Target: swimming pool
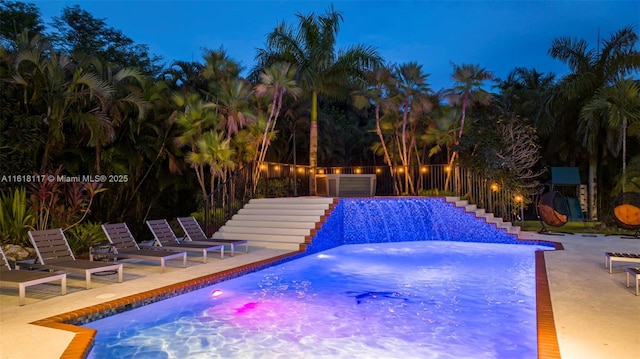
405, 299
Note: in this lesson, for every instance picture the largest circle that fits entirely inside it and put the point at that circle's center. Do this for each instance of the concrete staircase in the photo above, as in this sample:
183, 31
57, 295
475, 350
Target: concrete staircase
481, 213
279, 223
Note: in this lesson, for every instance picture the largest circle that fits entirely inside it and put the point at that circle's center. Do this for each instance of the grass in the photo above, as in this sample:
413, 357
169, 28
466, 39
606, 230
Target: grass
576, 227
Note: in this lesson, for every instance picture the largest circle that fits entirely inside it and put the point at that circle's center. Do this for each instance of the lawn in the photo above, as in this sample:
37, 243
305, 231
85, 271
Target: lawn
576, 227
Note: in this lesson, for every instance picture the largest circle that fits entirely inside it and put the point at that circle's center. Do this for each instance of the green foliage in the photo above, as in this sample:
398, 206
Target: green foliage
15, 16
20, 138
275, 187
434, 192
62, 204
16, 217
77, 31
84, 236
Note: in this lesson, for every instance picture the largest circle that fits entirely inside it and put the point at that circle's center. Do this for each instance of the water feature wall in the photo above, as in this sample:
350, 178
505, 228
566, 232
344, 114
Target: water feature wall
376, 220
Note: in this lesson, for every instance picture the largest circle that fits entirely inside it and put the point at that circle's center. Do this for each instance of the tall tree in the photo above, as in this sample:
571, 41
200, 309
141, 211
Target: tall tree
15, 17
380, 81
411, 102
77, 31
275, 83
467, 90
619, 105
591, 70
321, 69
59, 91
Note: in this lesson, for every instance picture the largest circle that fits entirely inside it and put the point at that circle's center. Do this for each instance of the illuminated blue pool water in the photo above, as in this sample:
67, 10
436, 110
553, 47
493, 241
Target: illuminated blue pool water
430, 299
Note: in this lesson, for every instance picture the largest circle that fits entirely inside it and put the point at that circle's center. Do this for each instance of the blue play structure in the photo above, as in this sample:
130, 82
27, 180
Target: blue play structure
566, 180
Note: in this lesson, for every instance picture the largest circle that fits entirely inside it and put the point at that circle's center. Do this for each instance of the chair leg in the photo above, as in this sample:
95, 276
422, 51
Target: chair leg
21, 294
87, 279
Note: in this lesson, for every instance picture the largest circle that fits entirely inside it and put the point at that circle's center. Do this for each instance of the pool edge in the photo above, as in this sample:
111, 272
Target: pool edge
548, 346
82, 342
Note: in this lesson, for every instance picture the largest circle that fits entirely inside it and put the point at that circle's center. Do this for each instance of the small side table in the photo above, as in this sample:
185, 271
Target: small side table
635, 272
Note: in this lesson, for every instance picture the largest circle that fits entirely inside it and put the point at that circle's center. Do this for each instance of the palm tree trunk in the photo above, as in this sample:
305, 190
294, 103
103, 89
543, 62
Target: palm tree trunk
387, 157
313, 143
593, 175
624, 152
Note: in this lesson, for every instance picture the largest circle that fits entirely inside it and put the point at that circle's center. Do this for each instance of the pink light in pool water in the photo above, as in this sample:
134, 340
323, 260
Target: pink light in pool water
246, 307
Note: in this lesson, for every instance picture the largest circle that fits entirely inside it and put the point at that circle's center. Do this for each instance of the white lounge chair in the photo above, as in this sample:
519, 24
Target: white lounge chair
24, 278
611, 257
125, 246
54, 253
194, 233
165, 238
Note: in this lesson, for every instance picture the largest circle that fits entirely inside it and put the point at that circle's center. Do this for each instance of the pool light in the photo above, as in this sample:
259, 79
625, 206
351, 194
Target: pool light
216, 293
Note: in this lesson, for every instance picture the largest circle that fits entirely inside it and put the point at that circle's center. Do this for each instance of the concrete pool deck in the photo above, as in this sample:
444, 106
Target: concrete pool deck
596, 316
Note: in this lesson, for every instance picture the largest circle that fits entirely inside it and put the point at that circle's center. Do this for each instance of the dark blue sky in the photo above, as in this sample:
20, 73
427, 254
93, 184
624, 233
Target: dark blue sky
497, 35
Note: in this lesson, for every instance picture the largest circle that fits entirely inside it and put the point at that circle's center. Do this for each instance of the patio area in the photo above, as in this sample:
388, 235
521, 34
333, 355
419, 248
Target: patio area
596, 316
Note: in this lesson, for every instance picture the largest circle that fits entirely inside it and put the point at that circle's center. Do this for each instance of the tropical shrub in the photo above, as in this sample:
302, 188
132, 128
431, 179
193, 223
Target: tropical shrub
84, 236
16, 217
59, 204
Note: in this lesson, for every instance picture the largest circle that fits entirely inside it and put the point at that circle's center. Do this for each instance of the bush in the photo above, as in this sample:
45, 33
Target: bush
16, 217
84, 236
434, 193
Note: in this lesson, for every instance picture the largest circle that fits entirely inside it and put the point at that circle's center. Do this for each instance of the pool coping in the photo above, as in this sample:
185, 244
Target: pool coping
82, 342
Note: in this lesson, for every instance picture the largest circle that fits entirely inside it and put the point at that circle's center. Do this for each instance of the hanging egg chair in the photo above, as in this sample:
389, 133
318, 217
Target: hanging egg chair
553, 210
626, 211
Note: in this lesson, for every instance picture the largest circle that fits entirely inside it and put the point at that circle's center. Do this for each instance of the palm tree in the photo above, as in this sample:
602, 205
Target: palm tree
58, 90
212, 151
590, 70
467, 90
234, 106
524, 91
321, 70
380, 81
197, 120
411, 102
123, 99
276, 81
619, 105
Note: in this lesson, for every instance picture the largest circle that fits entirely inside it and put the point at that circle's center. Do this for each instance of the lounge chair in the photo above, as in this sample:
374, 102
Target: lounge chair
24, 278
125, 246
54, 253
165, 238
611, 257
194, 233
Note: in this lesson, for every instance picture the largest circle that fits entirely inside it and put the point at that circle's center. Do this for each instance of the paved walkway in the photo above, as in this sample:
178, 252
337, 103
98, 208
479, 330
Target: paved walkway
596, 316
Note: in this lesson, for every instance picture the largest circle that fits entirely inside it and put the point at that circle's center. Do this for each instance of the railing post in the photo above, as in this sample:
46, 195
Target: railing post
207, 215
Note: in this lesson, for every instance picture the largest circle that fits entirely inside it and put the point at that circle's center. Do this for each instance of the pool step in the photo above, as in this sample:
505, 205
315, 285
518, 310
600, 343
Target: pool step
481, 213
278, 223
